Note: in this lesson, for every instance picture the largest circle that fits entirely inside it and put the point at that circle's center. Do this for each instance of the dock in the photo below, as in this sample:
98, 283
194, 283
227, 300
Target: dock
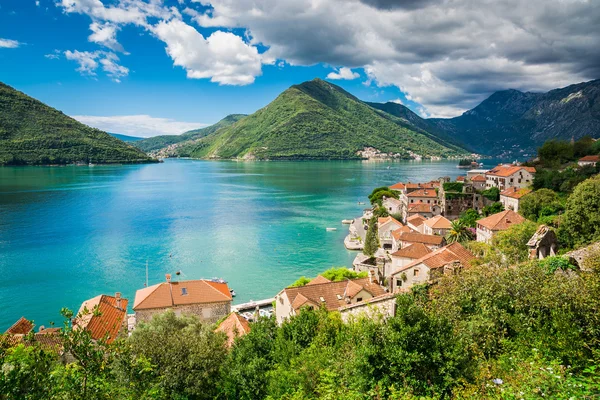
252, 305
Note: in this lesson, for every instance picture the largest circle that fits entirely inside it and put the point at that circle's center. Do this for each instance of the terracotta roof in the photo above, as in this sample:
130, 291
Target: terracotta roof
478, 178
416, 220
169, 294
590, 158
48, 340
415, 237
423, 193
329, 292
383, 221
460, 179
515, 192
22, 326
419, 207
438, 222
413, 251
398, 186
508, 170
318, 279
451, 253
234, 326
102, 316
396, 234
501, 221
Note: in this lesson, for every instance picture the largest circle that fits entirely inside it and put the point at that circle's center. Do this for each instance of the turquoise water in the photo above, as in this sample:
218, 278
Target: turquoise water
70, 233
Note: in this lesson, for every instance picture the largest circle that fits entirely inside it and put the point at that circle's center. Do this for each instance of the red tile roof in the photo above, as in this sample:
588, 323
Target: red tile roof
318, 279
102, 316
416, 220
438, 222
501, 221
590, 158
419, 207
398, 186
478, 178
234, 326
396, 234
460, 179
415, 237
515, 192
423, 193
383, 221
413, 251
169, 294
451, 253
22, 326
508, 170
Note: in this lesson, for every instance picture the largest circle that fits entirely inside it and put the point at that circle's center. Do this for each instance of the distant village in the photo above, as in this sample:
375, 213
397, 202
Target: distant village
412, 249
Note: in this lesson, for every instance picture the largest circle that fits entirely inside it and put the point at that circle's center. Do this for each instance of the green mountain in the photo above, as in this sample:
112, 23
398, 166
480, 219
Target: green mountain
318, 120
511, 122
125, 138
34, 133
160, 142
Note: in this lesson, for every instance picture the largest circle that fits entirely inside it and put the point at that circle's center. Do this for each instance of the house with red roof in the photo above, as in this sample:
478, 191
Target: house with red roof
234, 326
489, 226
588, 161
438, 225
208, 300
512, 196
408, 254
385, 227
431, 241
506, 175
105, 317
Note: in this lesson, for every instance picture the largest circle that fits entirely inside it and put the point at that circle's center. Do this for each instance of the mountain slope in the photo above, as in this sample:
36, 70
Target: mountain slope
317, 120
34, 133
159, 142
512, 122
125, 138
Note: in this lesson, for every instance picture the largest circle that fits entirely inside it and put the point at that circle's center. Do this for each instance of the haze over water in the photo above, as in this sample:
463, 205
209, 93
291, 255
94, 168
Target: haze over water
70, 233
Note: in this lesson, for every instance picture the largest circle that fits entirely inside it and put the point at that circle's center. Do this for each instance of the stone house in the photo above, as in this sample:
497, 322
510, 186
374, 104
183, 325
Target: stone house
422, 209
489, 226
415, 222
392, 205
48, 338
385, 226
543, 243
103, 316
396, 237
447, 259
505, 176
208, 300
438, 225
431, 241
478, 182
321, 292
407, 255
512, 196
588, 160
383, 306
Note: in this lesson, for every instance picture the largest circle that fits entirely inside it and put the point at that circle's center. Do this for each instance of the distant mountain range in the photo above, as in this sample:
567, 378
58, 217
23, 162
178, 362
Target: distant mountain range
34, 133
125, 138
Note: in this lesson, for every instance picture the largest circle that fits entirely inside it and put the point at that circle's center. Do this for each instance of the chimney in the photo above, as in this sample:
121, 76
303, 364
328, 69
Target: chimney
118, 299
168, 276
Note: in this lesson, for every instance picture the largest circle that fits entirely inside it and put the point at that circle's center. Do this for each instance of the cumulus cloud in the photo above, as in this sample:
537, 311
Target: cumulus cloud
105, 35
9, 43
139, 125
397, 101
343, 73
89, 61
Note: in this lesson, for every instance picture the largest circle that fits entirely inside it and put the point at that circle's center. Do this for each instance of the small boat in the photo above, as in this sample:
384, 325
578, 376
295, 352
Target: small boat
218, 280
331, 229
232, 292
361, 203
347, 221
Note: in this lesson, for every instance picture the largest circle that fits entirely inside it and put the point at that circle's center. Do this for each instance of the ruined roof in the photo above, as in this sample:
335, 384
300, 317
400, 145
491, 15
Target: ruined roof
501, 221
515, 192
438, 222
423, 193
508, 170
169, 294
102, 316
233, 326
449, 254
415, 237
22, 326
540, 234
413, 251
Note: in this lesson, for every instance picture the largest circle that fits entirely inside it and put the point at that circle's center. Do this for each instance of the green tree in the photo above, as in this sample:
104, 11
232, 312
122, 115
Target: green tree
581, 221
469, 218
512, 243
492, 194
379, 193
371, 238
554, 153
26, 373
541, 203
493, 208
458, 232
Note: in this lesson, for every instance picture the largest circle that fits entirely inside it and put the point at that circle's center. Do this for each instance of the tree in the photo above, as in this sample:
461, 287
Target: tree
26, 373
469, 218
512, 243
581, 221
492, 194
379, 193
458, 232
555, 153
493, 208
372, 238
541, 203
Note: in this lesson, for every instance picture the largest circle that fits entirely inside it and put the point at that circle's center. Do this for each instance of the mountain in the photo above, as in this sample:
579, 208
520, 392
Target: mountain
159, 142
511, 122
125, 138
34, 133
318, 120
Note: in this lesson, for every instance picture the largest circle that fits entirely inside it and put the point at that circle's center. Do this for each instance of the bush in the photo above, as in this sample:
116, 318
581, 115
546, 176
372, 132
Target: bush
379, 193
512, 243
453, 187
541, 203
493, 208
581, 221
492, 194
469, 218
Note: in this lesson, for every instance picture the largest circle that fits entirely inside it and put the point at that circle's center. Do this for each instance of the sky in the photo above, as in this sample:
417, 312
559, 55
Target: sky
149, 67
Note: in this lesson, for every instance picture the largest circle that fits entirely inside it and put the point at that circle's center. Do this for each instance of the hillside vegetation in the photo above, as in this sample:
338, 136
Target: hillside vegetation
318, 120
34, 133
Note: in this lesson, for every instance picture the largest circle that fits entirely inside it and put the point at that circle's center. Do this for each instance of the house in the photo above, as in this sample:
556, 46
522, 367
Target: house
460, 179
382, 306
426, 196
438, 225
407, 255
392, 205
474, 172
385, 226
422, 209
444, 260
431, 241
396, 236
233, 326
505, 176
208, 300
511, 197
415, 222
588, 160
489, 226
331, 295
478, 182
22, 327
398, 187
543, 243
49, 338
103, 316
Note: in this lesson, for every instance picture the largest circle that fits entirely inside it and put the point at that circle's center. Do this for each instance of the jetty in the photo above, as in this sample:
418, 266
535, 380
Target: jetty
252, 305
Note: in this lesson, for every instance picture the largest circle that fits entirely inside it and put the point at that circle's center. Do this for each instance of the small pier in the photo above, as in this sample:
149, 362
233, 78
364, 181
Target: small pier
252, 305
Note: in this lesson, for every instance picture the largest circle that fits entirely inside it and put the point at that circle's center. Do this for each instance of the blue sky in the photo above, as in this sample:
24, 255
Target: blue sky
146, 67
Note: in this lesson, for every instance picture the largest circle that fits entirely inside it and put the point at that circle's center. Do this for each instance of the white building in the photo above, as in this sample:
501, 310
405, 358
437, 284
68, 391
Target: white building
512, 196
438, 225
506, 176
489, 226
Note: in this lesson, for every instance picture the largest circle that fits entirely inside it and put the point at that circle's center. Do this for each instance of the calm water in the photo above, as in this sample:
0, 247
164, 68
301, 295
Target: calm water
70, 233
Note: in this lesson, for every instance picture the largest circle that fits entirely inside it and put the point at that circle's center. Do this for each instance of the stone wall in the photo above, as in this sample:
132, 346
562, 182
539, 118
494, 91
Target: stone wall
207, 312
383, 308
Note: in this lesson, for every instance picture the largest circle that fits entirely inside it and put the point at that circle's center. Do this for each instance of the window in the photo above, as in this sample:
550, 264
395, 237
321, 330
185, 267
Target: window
184, 291
416, 272
358, 299
398, 282
428, 201
281, 299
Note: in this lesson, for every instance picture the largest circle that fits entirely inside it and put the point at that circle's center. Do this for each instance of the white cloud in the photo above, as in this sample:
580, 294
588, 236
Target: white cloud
37, 3
85, 59
55, 55
397, 101
89, 61
139, 125
9, 43
343, 73
223, 57
105, 35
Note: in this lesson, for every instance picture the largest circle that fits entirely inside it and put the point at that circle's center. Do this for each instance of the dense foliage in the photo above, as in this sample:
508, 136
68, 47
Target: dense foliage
493, 208
34, 133
469, 218
333, 274
541, 203
563, 181
554, 153
581, 222
492, 194
453, 186
371, 238
379, 193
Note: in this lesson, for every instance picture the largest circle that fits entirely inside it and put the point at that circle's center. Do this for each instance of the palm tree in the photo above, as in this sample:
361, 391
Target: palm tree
458, 232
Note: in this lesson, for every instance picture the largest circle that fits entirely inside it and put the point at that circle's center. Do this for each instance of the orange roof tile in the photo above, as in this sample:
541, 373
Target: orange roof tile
398, 186
383, 221
419, 207
423, 193
415, 237
169, 294
438, 222
413, 251
234, 326
416, 220
396, 234
451, 253
102, 316
460, 179
515, 192
22, 326
478, 178
508, 170
501, 221
590, 158
318, 279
